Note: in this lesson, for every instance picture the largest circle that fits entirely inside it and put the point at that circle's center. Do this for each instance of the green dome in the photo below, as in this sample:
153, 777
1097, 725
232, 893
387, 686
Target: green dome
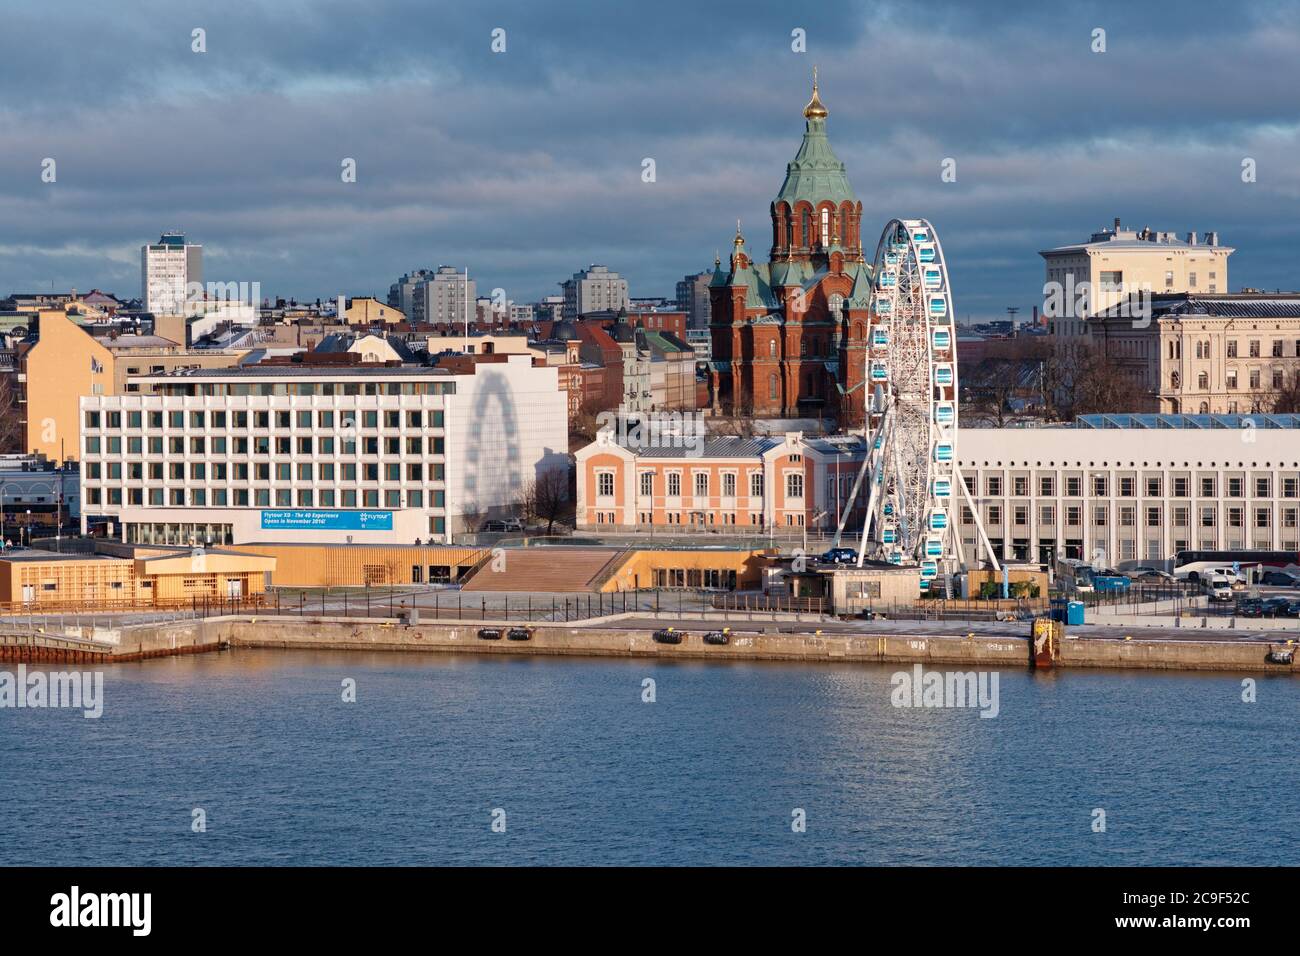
815, 174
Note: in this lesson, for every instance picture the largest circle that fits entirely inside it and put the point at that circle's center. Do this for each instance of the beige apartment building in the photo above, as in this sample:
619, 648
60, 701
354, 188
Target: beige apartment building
67, 363
1206, 354
1118, 262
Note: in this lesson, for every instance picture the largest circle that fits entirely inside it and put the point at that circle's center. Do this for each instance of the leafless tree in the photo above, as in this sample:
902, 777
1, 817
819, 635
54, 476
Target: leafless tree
472, 515
546, 497
1287, 398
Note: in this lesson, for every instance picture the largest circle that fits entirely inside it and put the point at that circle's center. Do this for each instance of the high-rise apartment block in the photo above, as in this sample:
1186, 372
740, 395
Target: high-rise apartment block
167, 268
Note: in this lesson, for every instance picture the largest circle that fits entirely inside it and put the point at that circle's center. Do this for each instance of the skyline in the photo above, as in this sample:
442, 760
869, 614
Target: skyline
526, 165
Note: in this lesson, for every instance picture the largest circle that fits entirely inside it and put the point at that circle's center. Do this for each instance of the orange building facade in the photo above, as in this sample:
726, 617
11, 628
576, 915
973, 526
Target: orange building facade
724, 484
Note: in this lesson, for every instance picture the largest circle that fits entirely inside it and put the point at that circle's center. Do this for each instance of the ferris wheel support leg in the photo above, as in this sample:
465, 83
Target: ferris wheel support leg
877, 467
871, 512
857, 482
979, 524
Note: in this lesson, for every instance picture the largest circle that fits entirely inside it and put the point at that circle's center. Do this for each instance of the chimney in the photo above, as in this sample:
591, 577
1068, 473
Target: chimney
1117, 224
1212, 238
1191, 238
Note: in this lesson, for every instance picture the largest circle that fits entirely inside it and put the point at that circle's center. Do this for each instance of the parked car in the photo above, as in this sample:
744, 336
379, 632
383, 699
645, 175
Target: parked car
1148, 576
1250, 607
504, 525
1281, 607
1280, 579
1219, 590
840, 556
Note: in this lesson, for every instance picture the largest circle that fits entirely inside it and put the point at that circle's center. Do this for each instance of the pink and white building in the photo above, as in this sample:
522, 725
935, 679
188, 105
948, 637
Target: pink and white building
719, 483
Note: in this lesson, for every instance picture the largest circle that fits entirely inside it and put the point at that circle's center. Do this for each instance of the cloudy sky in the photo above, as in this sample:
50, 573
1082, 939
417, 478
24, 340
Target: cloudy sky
526, 165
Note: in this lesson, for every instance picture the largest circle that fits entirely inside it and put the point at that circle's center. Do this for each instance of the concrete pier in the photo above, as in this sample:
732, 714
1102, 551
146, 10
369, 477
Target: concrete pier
617, 638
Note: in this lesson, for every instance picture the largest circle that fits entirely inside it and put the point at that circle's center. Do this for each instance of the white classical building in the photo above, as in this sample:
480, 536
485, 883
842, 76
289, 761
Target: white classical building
322, 454
1129, 488
1113, 488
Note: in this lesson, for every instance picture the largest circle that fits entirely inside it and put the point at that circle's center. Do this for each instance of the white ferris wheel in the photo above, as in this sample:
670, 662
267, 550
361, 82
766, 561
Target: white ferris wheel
913, 482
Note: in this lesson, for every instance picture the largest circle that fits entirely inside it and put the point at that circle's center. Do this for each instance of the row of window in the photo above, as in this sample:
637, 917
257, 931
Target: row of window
370, 418
260, 471
1231, 383
264, 445
1234, 517
794, 484
1253, 346
306, 388
1233, 486
261, 498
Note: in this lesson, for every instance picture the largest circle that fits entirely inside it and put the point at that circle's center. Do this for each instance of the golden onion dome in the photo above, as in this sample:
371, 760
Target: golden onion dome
815, 108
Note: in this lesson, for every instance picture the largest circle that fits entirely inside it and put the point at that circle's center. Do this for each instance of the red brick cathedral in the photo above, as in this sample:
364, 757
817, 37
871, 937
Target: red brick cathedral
789, 334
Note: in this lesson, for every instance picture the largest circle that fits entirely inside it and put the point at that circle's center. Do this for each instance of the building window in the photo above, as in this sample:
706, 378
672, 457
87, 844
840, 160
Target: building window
702, 483
605, 484
756, 484
674, 484
794, 485
647, 484
728, 485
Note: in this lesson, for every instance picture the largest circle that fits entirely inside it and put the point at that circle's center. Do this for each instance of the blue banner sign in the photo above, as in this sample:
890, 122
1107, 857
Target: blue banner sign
328, 520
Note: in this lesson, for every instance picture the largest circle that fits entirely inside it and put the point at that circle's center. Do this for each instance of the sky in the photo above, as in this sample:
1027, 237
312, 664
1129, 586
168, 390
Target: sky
526, 165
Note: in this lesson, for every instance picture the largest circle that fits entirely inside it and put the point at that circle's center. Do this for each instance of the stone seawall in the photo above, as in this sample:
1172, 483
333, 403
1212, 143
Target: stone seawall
600, 642
959, 648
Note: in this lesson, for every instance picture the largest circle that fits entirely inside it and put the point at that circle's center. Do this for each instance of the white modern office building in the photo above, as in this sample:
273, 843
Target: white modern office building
1134, 488
167, 267
318, 454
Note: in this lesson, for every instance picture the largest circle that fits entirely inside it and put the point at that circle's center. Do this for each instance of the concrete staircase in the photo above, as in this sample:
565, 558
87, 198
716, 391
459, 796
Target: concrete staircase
546, 570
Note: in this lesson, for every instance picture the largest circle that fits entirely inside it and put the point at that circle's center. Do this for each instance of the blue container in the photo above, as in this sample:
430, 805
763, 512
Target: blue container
1074, 612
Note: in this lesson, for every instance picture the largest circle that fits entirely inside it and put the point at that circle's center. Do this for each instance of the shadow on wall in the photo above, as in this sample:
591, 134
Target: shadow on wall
490, 479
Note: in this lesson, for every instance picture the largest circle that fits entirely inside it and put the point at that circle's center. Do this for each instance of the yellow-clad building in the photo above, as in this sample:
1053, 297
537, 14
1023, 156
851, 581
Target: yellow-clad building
67, 363
129, 576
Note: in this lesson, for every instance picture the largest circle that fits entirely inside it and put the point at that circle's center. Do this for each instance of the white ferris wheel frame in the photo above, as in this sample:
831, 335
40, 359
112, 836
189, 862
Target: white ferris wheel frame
908, 382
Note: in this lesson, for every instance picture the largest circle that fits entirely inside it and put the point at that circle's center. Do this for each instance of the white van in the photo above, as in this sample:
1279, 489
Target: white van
1219, 588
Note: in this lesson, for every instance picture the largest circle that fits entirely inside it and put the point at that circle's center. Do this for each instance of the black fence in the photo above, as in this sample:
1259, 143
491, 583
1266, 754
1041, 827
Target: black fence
457, 605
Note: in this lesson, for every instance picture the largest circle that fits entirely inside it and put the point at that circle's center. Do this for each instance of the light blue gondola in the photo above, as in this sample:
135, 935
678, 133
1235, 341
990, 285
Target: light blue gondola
888, 280
895, 557
920, 235
943, 451
938, 520
884, 305
879, 372
942, 488
943, 374
938, 305
934, 547
889, 508
942, 339
929, 569
891, 258
879, 337
944, 413
889, 536
925, 253
932, 277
